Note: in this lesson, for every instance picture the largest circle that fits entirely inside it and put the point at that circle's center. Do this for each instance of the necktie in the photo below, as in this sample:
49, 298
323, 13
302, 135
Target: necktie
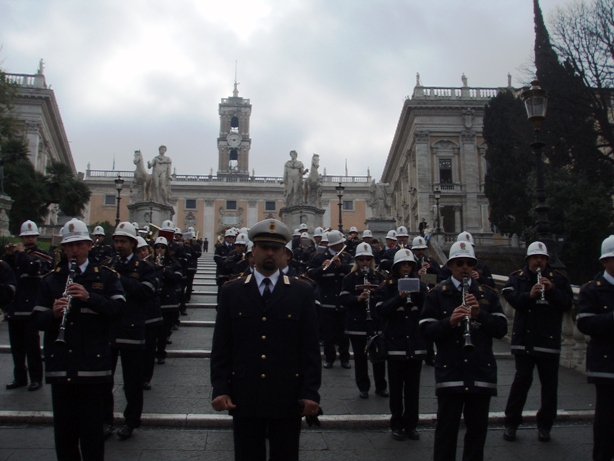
266, 294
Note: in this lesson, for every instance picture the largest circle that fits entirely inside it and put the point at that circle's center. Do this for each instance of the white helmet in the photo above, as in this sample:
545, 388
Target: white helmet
168, 225
244, 230
29, 228
191, 229
537, 248
465, 237
230, 233
367, 233
303, 227
419, 244
402, 256
335, 237
402, 232
289, 247
250, 245
75, 231
364, 249
462, 250
391, 235
304, 235
135, 224
146, 228
99, 230
607, 248
241, 239
353, 229
140, 242
125, 229
318, 232
324, 237
296, 232
161, 241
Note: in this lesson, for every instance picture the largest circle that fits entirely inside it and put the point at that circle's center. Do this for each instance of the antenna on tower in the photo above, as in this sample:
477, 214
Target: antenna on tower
235, 92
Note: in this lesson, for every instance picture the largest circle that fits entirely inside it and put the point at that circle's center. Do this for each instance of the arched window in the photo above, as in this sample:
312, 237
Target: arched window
234, 122
234, 154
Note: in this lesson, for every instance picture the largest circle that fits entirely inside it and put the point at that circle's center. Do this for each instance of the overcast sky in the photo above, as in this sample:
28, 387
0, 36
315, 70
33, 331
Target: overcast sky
323, 76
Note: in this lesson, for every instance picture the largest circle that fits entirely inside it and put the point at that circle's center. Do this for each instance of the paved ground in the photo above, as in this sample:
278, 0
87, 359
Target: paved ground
179, 422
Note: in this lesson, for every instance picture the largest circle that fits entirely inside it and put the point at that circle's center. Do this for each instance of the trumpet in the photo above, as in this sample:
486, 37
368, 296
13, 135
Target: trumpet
61, 339
542, 298
468, 346
338, 255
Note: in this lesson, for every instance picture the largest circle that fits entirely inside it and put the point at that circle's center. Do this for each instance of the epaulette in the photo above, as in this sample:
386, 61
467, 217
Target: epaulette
489, 287
247, 279
286, 280
598, 283
107, 268
48, 273
519, 272
305, 276
431, 289
302, 281
560, 273
390, 282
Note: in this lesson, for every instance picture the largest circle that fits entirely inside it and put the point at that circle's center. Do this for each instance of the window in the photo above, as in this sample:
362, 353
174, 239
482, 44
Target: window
445, 170
109, 199
190, 203
270, 206
234, 122
348, 205
231, 204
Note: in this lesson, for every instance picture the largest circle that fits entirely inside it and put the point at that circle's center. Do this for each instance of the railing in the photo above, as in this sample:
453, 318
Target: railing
449, 187
108, 174
435, 92
486, 239
27, 80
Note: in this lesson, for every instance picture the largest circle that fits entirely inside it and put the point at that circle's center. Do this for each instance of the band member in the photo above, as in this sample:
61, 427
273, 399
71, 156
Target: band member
28, 264
328, 269
237, 254
192, 265
386, 255
362, 321
595, 309
222, 250
303, 254
352, 240
462, 317
481, 272
400, 313
265, 358
402, 237
128, 332
76, 305
539, 296
100, 251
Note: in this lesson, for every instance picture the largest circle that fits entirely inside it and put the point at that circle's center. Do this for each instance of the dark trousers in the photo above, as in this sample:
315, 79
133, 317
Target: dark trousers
474, 407
78, 421
548, 371
333, 323
132, 371
149, 354
404, 383
25, 344
361, 366
603, 425
164, 332
250, 436
182, 294
189, 285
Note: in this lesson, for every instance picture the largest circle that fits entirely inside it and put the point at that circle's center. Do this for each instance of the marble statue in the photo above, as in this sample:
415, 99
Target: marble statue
313, 184
293, 180
161, 170
142, 177
379, 200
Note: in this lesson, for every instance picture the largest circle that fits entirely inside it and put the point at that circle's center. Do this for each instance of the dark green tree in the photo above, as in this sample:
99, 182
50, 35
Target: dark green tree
64, 189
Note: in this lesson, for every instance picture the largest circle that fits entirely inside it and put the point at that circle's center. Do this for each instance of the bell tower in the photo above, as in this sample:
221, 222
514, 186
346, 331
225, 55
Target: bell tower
234, 142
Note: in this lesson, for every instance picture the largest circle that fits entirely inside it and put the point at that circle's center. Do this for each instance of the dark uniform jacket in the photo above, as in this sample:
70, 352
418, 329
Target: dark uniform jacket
99, 253
434, 268
400, 318
356, 323
28, 271
86, 355
386, 258
266, 356
153, 311
537, 328
171, 284
222, 250
458, 371
331, 279
232, 260
7, 285
485, 275
138, 281
196, 252
596, 318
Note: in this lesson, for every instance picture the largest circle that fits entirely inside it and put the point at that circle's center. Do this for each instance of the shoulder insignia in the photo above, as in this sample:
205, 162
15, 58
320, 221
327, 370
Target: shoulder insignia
598, 284
390, 282
247, 279
136, 264
444, 287
306, 277
58, 269
589, 282
96, 269
286, 280
480, 288
107, 268
519, 272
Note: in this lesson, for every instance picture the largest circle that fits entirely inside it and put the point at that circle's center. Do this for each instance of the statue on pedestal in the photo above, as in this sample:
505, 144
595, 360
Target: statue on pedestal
293, 180
142, 177
379, 200
313, 184
161, 171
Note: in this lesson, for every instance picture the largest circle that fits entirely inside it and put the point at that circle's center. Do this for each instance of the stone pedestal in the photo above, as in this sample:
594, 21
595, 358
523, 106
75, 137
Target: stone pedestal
380, 227
6, 203
311, 215
150, 212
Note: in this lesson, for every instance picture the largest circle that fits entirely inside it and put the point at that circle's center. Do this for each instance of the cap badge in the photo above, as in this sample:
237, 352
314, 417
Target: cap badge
272, 227
463, 246
30, 226
71, 227
541, 247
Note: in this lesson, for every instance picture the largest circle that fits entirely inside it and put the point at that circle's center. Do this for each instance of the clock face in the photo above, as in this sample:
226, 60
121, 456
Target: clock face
234, 139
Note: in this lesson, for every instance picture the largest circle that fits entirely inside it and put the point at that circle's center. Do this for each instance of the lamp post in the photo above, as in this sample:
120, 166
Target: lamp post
536, 103
150, 212
437, 193
340, 190
119, 184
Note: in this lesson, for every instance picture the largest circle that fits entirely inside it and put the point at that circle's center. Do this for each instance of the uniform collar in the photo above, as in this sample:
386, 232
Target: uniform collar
459, 285
259, 278
608, 277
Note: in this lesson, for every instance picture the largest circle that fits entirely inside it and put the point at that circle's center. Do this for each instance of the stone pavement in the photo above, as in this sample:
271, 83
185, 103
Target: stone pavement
177, 412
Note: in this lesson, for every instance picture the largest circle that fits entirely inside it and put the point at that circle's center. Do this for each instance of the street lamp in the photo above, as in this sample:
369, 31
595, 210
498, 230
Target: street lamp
340, 190
536, 103
119, 184
437, 197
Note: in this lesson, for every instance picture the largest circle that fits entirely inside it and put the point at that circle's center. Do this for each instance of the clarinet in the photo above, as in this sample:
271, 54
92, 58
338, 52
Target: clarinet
468, 346
61, 339
542, 299
365, 272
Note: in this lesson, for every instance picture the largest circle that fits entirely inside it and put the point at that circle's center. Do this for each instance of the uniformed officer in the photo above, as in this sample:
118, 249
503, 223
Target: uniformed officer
128, 332
481, 272
237, 254
400, 314
7, 287
328, 269
595, 318
192, 263
304, 253
362, 321
352, 240
28, 264
386, 255
465, 379
402, 237
265, 357
78, 366
539, 296
182, 253
222, 250
100, 251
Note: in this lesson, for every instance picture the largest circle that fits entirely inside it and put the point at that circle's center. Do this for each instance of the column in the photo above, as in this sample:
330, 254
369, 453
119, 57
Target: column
209, 223
252, 213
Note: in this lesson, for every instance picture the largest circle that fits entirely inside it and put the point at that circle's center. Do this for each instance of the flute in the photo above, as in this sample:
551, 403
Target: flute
330, 261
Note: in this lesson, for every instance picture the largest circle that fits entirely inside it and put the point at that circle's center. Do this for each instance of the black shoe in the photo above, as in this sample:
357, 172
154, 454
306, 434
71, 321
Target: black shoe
168, 341
398, 434
509, 433
34, 386
125, 432
346, 365
184, 313
412, 434
543, 435
383, 393
328, 365
161, 361
363, 394
108, 430
16, 384
146, 386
